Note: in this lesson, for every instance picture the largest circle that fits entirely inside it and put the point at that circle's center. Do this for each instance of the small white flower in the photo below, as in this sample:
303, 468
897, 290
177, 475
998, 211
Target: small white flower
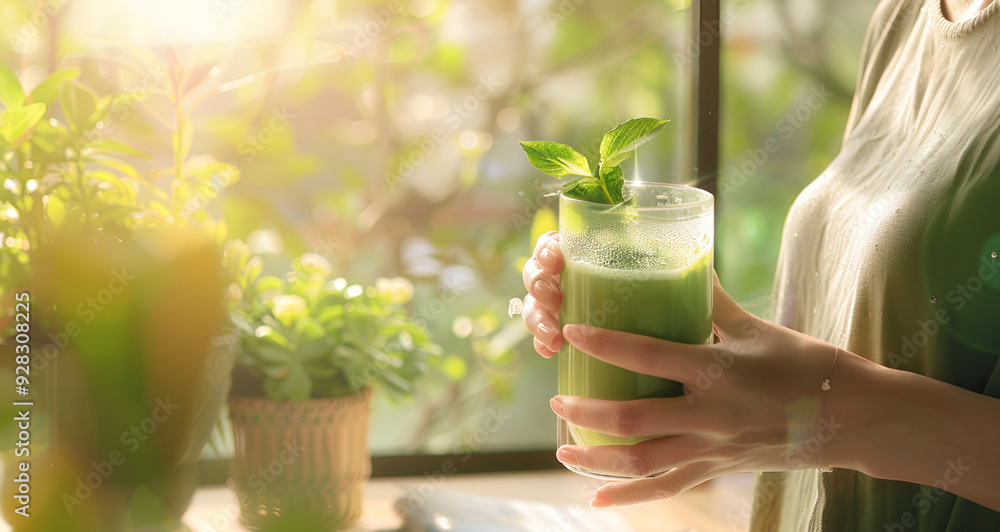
397, 290
288, 309
315, 263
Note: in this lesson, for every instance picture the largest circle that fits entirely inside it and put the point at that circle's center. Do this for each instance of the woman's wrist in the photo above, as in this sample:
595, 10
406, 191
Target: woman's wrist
898, 425
889, 428
854, 407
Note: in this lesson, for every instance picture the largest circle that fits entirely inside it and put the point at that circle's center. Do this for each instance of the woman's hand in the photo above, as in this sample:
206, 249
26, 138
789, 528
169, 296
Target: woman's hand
541, 306
752, 402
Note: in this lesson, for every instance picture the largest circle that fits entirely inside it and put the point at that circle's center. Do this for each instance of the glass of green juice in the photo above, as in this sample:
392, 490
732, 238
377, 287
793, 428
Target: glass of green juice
643, 267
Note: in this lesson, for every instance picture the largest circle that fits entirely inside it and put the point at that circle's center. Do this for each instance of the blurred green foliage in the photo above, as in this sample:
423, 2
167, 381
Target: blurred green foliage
310, 335
777, 55
62, 172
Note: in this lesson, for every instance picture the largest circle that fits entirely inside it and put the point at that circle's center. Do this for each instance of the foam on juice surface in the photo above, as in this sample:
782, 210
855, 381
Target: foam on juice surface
624, 275
642, 246
617, 265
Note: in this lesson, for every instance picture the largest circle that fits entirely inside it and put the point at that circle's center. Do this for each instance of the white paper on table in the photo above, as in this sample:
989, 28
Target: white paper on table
447, 511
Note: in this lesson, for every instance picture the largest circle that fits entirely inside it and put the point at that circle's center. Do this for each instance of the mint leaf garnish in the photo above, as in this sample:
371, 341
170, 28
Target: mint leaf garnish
586, 189
614, 182
606, 182
555, 159
618, 143
570, 185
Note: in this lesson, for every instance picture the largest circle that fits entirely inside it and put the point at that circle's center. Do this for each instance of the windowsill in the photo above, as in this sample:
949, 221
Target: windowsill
721, 504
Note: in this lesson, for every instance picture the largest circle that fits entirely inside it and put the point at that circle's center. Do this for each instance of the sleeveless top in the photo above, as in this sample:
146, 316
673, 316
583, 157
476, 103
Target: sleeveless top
892, 253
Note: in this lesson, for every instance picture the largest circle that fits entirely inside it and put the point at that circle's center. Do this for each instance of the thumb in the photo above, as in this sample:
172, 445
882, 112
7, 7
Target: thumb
664, 486
729, 319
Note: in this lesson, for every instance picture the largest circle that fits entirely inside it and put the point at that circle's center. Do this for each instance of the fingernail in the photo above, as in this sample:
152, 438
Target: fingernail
564, 455
556, 403
547, 332
573, 333
557, 344
602, 501
548, 260
545, 288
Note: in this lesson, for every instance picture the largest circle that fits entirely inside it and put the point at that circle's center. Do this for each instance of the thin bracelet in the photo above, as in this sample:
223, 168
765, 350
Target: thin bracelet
826, 384
826, 387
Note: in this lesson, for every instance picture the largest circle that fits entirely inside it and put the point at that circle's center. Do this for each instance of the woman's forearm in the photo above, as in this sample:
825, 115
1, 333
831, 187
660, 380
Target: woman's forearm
902, 426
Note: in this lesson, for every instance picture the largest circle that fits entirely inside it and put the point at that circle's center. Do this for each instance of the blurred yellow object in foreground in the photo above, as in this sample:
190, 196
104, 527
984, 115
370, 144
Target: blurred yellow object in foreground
129, 376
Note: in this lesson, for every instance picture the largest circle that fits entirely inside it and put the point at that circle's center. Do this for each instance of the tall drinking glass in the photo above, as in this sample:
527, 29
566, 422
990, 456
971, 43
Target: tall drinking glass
644, 267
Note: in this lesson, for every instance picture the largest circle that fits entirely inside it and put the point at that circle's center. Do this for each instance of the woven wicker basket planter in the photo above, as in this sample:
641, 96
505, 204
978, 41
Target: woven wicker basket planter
300, 466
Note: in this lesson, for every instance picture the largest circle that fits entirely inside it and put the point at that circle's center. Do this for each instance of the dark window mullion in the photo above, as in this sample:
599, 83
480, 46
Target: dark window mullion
707, 32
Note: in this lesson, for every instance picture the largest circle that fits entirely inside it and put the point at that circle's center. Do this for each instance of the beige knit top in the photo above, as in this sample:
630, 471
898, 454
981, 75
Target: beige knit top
891, 253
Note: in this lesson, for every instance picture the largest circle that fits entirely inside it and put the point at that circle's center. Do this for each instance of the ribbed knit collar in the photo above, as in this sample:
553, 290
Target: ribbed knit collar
957, 30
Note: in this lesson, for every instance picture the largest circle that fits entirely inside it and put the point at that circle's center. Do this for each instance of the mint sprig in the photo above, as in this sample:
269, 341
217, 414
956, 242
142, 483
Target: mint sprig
603, 184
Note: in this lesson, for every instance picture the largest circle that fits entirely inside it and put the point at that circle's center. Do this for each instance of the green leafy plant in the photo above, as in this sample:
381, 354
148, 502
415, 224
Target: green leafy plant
605, 182
63, 173
310, 335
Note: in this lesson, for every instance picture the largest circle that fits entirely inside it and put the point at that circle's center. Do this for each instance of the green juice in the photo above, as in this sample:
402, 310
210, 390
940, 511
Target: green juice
671, 305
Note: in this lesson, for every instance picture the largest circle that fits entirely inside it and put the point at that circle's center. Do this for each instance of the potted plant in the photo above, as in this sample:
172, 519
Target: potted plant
313, 347
124, 287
